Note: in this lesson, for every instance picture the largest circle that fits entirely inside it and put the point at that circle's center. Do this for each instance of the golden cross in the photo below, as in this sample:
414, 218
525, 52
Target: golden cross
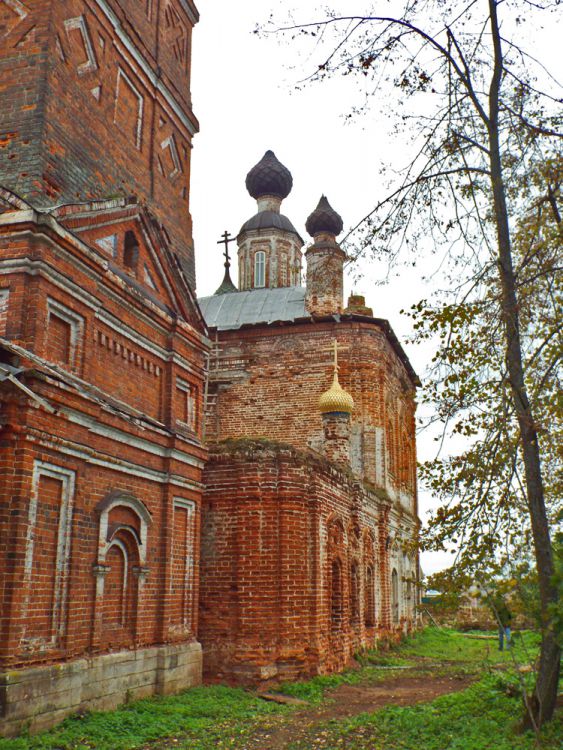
335, 344
334, 348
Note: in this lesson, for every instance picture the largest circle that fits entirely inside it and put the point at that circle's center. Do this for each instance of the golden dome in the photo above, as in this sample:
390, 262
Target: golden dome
336, 399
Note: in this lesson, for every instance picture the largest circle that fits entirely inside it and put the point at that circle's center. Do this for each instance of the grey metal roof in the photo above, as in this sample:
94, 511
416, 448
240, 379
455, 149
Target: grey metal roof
263, 306
269, 220
229, 311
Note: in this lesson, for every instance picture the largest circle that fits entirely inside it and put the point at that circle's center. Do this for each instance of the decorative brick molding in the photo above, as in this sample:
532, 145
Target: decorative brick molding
45, 588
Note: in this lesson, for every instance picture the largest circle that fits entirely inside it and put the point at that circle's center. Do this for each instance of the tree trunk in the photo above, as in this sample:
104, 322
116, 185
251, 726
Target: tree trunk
545, 692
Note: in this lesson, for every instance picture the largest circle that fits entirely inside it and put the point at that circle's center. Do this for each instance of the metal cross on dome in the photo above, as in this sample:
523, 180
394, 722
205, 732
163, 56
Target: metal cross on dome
226, 238
334, 350
335, 345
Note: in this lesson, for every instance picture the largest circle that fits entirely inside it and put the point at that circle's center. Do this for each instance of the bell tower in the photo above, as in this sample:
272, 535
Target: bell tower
96, 104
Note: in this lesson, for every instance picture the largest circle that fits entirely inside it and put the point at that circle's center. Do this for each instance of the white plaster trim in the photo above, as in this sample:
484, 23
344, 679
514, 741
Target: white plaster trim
75, 321
126, 438
156, 260
103, 544
190, 395
145, 67
19, 216
260, 269
60, 589
4, 307
95, 256
79, 23
124, 330
39, 267
125, 467
108, 244
34, 268
189, 12
140, 105
189, 587
20, 10
170, 144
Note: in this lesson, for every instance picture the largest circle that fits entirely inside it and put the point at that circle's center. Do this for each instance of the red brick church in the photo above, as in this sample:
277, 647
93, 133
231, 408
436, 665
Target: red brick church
182, 489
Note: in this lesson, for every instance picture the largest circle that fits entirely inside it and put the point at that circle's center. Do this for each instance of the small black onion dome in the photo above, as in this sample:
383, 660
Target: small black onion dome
269, 177
324, 219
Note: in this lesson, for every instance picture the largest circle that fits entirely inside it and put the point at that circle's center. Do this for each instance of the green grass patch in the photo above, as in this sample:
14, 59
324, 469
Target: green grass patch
450, 645
448, 651
206, 717
479, 718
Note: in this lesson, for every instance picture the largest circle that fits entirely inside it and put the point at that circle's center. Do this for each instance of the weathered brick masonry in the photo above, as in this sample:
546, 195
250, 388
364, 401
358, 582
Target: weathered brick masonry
102, 460
96, 104
102, 357
132, 415
267, 381
309, 521
295, 563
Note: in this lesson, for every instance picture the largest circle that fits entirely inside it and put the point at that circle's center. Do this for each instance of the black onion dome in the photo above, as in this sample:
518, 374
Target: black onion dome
269, 177
324, 219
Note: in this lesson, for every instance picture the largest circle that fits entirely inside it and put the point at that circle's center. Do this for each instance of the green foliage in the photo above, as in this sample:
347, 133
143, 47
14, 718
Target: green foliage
482, 190
449, 645
484, 510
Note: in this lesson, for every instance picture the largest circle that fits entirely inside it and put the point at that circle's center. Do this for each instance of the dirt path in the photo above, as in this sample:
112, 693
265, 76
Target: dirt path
350, 700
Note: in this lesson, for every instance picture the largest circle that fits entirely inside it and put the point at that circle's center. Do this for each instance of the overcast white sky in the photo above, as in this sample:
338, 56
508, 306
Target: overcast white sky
245, 97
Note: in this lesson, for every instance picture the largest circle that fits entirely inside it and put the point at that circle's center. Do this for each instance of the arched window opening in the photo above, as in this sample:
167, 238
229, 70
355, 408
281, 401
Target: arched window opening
336, 596
395, 596
130, 251
115, 600
295, 272
354, 594
369, 599
259, 269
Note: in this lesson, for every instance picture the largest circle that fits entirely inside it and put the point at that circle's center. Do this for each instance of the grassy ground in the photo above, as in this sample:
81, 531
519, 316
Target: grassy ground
480, 717
430, 651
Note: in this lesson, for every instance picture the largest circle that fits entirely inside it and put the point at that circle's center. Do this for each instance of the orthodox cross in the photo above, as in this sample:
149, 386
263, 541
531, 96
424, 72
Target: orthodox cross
334, 351
335, 345
226, 238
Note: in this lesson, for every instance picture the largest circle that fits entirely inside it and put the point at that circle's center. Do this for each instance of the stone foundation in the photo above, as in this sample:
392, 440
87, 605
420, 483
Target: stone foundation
37, 698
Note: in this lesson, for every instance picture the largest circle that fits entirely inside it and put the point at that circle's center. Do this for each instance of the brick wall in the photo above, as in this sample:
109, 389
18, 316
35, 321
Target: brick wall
268, 382
295, 564
98, 486
104, 58
325, 280
101, 454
